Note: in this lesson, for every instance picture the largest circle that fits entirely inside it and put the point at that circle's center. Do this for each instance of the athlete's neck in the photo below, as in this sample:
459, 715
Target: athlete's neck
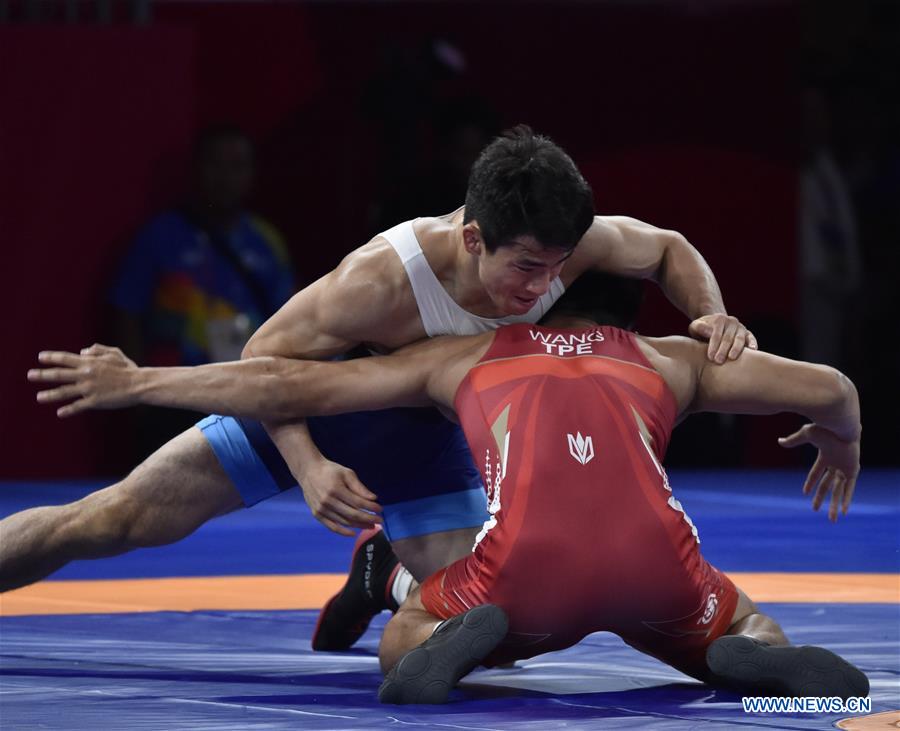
470, 293
460, 278
563, 321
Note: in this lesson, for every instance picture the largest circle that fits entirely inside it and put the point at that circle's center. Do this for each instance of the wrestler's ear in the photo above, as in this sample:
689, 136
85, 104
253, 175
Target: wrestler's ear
472, 240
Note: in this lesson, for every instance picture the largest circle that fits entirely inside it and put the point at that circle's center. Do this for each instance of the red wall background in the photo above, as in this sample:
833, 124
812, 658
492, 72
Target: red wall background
682, 115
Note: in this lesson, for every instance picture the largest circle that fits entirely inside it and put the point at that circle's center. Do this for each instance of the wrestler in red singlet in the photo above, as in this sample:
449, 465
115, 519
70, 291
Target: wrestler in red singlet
569, 428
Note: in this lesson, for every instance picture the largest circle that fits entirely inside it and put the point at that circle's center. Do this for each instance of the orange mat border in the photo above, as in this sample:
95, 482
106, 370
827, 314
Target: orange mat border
310, 591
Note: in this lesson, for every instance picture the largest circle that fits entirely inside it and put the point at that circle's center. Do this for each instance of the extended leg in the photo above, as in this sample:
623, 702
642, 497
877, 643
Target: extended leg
167, 497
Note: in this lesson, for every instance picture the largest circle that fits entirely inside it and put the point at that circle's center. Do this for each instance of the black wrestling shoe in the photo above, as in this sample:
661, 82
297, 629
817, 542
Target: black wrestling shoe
347, 614
427, 673
750, 666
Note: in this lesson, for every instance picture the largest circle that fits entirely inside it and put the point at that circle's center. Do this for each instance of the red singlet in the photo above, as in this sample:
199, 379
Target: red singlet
569, 428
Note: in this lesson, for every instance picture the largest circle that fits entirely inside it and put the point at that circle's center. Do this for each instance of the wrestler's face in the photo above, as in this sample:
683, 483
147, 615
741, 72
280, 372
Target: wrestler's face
517, 274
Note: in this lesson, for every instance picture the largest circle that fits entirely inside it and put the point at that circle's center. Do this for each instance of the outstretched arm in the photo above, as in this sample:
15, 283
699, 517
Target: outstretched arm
101, 377
632, 248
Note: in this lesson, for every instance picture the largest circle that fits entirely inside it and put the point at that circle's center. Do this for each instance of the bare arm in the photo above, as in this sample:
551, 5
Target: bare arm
632, 248
351, 304
760, 383
101, 377
636, 249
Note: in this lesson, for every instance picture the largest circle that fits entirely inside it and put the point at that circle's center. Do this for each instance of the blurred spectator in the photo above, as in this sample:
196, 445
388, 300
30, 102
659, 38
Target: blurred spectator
200, 278
830, 260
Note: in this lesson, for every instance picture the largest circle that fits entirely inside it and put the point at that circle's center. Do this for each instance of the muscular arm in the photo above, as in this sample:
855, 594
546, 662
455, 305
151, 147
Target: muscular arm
761, 383
631, 248
423, 374
309, 325
352, 304
280, 389
357, 302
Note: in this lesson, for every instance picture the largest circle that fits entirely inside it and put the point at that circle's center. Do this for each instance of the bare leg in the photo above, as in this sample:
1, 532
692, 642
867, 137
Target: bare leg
749, 621
167, 497
408, 628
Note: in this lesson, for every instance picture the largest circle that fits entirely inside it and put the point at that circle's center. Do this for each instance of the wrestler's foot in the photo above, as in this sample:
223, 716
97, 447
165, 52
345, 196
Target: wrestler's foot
750, 666
427, 673
367, 592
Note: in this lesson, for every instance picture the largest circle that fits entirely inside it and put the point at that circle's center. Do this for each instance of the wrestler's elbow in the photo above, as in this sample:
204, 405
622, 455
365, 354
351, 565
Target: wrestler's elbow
837, 389
266, 343
664, 258
836, 402
845, 393
255, 347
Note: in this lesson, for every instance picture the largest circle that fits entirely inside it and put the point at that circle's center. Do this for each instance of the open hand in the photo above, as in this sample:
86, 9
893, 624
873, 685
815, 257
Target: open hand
100, 377
835, 469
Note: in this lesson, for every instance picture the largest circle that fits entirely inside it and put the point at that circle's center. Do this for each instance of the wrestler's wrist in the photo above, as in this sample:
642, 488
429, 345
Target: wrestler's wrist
306, 467
151, 386
850, 434
141, 383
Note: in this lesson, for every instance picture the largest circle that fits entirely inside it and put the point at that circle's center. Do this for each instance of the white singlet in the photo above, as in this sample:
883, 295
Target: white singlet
439, 312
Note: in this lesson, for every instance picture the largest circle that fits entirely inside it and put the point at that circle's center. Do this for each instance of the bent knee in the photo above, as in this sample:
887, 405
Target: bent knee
114, 520
97, 525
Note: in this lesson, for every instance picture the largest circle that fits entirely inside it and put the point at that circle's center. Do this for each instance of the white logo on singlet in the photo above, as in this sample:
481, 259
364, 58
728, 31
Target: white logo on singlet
493, 480
712, 603
581, 448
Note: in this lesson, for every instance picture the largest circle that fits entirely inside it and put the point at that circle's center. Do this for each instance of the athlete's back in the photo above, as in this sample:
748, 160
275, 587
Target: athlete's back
569, 428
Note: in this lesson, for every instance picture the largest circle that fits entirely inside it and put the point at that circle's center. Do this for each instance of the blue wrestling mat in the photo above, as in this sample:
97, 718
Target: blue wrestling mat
254, 670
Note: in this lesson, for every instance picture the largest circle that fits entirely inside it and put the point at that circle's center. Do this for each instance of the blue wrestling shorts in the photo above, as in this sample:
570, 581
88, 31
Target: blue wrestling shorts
416, 461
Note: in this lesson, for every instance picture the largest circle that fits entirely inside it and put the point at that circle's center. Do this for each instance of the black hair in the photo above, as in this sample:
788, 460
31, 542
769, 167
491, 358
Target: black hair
524, 184
213, 133
607, 299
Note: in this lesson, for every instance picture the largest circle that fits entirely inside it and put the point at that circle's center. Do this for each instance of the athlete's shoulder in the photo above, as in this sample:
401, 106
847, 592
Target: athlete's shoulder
367, 295
676, 346
602, 236
372, 270
609, 230
617, 244
376, 268
679, 360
